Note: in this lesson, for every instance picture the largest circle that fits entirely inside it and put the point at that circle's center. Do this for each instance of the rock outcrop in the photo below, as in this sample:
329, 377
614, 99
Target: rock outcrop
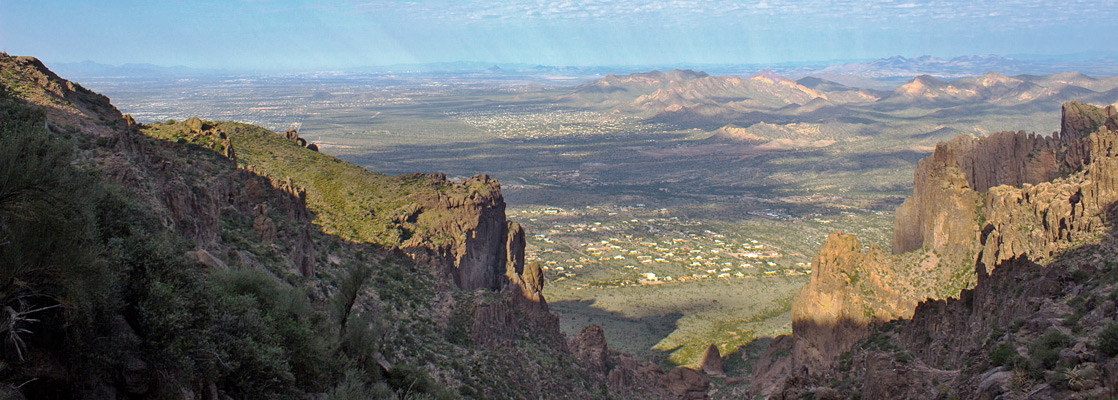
711, 362
946, 206
474, 232
627, 377
590, 348
687, 383
526, 281
293, 136
263, 225
482, 248
977, 205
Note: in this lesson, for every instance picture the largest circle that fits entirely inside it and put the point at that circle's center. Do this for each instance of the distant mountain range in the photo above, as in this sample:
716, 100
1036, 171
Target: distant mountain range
812, 111
656, 93
869, 74
134, 70
901, 68
997, 88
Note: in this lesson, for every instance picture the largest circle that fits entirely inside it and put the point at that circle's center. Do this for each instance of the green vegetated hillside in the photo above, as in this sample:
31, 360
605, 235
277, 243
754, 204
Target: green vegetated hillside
349, 201
220, 260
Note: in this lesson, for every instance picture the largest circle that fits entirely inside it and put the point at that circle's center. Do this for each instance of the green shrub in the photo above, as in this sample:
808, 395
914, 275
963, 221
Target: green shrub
269, 334
341, 304
1108, 340
1045, 351
1005, 355
354, 387
51, 272
363, 341
409, 380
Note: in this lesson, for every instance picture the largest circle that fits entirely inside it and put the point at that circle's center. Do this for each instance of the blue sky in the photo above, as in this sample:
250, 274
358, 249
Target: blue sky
294, 34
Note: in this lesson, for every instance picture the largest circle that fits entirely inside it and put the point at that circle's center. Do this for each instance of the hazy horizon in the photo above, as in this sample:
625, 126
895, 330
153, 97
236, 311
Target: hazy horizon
299, 35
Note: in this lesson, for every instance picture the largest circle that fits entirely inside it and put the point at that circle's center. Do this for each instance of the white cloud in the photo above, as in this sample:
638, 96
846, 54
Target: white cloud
899, 13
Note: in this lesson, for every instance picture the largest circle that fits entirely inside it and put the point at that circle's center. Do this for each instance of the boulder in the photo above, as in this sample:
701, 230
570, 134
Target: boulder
194, 124
203, 257
994, 385
687, 383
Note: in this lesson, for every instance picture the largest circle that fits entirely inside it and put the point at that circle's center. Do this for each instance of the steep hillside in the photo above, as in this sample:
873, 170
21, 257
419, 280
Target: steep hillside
216, 260
985, 213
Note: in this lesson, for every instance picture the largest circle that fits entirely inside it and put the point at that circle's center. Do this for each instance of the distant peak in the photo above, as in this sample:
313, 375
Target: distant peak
926, 79
767, 74
686, 74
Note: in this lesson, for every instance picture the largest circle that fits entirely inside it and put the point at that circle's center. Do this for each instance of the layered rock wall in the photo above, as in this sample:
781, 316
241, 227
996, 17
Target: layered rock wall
949, 187
975, 202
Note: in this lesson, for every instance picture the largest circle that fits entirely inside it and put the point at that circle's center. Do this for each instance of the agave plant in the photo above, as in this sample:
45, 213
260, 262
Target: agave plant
14, 322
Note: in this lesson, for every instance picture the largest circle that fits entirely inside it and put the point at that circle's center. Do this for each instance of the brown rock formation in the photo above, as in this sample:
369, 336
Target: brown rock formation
625, 376
264, 225
195, 125
484, 249
828, 313
590, 348
949, 184
302, 251
227, 149
195, 211
955, 320
687, 383
983, 202
525, 281
712, 361
493, 325
886, 379
477, 231
772, 367
203, 257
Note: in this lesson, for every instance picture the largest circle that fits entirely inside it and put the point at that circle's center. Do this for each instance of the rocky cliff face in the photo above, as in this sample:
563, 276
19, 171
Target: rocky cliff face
949, 185
474, 221
830, 311
272, 223
976, 205
482, 249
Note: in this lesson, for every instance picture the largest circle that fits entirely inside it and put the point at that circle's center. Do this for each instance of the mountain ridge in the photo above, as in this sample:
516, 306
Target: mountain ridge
983, 213
233, 262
